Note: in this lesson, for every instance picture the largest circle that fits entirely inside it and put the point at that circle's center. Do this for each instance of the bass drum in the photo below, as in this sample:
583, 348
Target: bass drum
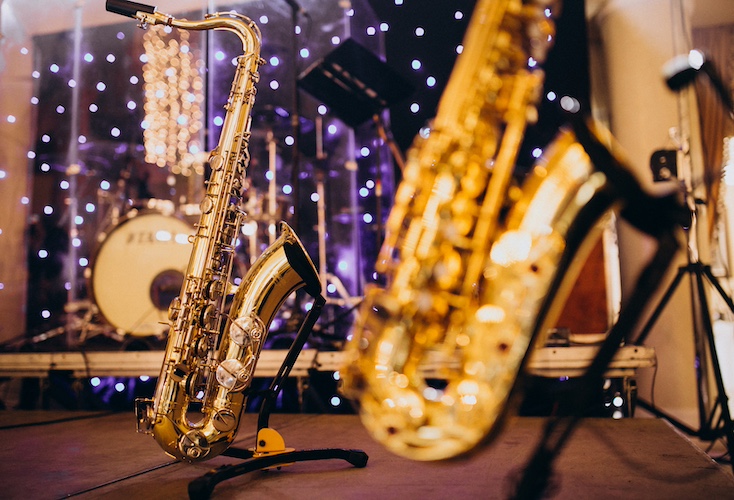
139, 269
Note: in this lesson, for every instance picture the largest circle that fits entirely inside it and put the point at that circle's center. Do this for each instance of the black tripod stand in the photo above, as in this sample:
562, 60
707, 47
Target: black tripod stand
711, 427
660, 217
680, 72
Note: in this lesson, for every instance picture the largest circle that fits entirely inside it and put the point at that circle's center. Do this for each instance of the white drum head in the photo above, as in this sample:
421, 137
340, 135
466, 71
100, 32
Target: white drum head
139, 270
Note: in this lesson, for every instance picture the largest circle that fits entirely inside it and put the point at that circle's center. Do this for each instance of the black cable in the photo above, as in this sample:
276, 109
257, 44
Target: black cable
119, 480
57, 420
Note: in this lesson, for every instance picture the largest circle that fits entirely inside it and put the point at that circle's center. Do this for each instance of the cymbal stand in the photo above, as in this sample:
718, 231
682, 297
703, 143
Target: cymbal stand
272, 185
270, 451
326, 278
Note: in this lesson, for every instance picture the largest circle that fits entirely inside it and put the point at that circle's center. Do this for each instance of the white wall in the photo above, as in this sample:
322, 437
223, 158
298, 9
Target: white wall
632, 40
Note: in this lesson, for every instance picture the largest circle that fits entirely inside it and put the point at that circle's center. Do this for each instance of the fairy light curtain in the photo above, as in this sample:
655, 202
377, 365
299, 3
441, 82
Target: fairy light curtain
174, 93
151, 105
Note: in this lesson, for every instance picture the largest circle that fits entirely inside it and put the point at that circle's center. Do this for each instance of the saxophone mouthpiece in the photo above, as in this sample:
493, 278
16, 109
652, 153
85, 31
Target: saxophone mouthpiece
128, 9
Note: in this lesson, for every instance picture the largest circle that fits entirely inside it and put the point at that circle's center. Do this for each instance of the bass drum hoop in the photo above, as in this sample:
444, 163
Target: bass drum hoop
138, 268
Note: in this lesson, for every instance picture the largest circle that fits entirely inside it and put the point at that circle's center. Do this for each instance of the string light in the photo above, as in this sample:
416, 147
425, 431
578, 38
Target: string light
173, 94
161, 116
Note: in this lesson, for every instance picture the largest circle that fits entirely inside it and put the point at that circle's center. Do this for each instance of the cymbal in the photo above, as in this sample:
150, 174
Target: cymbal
95, 157
278, 120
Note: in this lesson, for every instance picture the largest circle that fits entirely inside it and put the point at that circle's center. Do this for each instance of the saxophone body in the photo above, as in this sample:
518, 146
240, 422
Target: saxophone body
213, 347
476, 267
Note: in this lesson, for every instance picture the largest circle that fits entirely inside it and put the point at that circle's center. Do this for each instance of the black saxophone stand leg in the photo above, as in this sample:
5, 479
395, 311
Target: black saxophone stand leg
270, 451
657, 217
202, 487
537, 473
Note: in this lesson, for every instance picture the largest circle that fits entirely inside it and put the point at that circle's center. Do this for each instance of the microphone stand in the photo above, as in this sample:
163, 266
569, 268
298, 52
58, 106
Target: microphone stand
295, 112
659, 217
680, 72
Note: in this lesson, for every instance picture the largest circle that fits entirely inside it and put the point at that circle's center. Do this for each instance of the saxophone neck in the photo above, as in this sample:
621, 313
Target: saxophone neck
246, 29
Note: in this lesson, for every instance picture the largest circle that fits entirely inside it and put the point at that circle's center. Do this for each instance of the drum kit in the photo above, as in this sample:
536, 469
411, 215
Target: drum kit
142, 245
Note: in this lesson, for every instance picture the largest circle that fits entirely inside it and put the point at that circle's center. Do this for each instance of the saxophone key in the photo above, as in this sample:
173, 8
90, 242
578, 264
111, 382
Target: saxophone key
216, 161
234, 375
208, 318
224, 420
194, 445
206, 205
246, 329
174, 309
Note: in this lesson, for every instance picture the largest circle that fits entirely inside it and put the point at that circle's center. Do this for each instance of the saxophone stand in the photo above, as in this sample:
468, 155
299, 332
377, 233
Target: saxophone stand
658, 217
270, 451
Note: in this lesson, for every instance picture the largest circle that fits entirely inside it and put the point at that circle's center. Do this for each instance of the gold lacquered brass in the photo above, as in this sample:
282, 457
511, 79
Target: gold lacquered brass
212, 350
476, 267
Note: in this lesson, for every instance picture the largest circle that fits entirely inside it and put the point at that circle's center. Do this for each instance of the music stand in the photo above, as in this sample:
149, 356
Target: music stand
358, 86
354, 83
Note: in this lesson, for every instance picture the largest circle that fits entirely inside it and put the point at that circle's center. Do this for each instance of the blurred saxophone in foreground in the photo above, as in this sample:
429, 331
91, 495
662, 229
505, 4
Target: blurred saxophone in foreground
213, 350
476, 268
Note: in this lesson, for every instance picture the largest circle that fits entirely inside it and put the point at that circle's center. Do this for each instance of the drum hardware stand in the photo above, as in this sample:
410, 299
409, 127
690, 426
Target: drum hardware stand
357, 86
85, 325
253, 237
270, 451
296, 10
270, 212
399, 161
325, 277
74, 168
272, 185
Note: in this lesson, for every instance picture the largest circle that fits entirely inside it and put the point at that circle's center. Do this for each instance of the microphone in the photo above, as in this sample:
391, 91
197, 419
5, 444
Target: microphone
682, 70
296, 7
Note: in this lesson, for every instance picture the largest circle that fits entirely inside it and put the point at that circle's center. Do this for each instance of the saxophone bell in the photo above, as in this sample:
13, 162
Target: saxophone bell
195, 427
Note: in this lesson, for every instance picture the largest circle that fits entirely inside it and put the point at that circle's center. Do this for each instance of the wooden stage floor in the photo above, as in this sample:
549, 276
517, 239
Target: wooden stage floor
52, 454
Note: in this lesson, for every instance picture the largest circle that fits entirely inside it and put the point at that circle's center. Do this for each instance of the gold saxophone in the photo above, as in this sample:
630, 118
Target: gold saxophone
476, 267
212, 352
